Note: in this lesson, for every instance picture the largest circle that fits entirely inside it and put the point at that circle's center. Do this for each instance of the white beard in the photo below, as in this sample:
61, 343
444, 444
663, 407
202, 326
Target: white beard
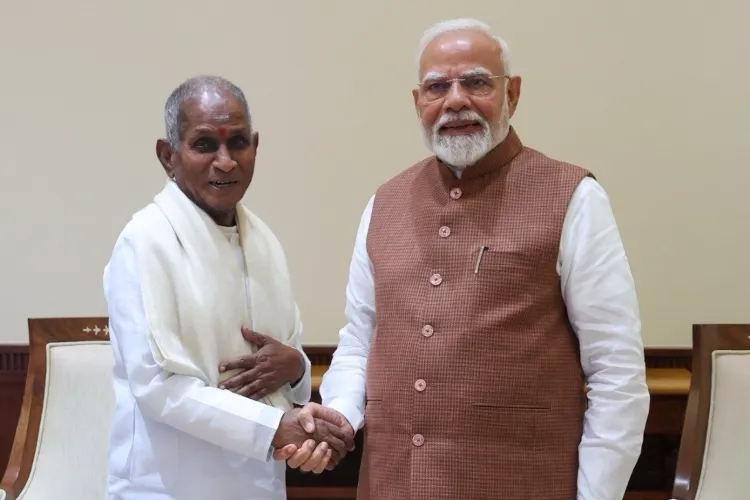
462, 151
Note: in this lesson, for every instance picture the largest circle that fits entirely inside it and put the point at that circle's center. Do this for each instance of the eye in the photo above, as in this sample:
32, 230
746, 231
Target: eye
205, 145
437, 86
238, 142
477, 82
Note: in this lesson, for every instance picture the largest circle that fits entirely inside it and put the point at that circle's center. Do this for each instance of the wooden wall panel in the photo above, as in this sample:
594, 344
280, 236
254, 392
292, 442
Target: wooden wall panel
651, 480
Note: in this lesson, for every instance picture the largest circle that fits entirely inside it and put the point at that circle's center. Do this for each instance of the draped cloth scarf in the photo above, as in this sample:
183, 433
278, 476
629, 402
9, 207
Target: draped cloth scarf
196, 294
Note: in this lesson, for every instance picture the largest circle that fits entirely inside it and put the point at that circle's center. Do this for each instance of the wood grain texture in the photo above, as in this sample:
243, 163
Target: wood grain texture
651, 480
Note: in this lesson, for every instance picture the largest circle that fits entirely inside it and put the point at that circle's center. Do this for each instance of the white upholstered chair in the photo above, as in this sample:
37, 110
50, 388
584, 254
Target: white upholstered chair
713, 461
62, 437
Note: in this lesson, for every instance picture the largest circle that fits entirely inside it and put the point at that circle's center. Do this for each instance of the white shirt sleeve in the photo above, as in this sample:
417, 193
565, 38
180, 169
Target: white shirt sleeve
217, 416
300, 393
600, 296
343, 385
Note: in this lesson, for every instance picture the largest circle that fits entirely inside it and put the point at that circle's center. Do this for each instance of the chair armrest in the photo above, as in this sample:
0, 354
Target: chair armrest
7, 484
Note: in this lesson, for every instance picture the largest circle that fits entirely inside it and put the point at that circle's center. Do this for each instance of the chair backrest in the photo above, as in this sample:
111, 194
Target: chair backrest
61, 443
712, 462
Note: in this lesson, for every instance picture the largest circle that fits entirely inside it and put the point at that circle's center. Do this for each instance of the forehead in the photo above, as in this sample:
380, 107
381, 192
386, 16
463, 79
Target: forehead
457, 51
213, 106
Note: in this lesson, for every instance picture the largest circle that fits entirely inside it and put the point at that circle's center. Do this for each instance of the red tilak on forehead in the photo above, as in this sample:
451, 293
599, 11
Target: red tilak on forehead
223, 132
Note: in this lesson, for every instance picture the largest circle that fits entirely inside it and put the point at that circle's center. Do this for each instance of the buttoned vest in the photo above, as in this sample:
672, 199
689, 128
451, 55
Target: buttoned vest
474, 383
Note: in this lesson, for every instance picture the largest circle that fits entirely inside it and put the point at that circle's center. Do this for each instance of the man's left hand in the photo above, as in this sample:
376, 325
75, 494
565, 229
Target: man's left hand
266, 371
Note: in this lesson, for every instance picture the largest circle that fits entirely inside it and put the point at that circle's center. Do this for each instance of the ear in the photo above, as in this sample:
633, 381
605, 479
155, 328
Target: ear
513, 93
256, 139
164, 152
415, 95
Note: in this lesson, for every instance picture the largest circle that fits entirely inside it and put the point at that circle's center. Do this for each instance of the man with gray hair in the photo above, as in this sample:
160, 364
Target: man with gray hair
488, 290
204, 326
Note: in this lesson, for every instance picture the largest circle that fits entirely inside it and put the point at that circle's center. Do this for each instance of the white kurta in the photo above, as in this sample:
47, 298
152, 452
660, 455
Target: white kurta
600, 296
159, 449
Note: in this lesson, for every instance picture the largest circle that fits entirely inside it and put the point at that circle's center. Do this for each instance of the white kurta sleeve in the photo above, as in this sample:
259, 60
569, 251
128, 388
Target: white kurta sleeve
343, 386
601, 300
301, 392
217, 416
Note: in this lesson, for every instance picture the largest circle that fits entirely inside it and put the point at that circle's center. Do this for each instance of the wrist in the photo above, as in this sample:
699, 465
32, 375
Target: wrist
299, 372
276, 441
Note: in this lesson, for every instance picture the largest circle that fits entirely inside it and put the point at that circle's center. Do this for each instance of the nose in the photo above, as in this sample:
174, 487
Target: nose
224, 160
457, 98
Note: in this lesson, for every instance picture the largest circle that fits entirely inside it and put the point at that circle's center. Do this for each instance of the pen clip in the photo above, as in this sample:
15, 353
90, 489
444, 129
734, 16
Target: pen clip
482, 249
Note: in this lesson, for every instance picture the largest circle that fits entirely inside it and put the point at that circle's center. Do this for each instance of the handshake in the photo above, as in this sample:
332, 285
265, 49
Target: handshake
313, 438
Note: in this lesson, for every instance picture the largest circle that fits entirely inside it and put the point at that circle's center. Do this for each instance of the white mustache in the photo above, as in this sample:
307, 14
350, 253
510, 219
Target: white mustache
466, 114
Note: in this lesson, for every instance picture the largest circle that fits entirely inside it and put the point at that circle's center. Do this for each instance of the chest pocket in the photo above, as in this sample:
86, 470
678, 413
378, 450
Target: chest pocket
507, 273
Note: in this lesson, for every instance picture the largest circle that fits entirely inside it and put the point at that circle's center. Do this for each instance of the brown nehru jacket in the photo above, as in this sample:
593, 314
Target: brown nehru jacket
474, 383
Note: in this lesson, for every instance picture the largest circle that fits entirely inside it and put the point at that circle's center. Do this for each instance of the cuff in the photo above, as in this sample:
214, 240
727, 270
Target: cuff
350, 411
301, 392
268, 439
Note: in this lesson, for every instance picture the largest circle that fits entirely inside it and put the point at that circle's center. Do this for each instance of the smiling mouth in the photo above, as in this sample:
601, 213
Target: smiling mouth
222, 184
460, 126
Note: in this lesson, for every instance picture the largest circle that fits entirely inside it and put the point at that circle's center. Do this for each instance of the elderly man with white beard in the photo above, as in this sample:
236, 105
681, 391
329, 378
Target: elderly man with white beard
493, 345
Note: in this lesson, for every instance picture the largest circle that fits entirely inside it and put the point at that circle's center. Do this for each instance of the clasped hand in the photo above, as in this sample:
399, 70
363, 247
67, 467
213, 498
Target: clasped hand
328, 436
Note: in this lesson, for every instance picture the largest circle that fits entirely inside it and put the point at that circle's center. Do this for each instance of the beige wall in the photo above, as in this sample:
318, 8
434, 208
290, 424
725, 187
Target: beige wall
650, 95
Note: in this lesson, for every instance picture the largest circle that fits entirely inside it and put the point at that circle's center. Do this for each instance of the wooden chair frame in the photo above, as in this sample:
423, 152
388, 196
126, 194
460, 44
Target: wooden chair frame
706, 339
42, 331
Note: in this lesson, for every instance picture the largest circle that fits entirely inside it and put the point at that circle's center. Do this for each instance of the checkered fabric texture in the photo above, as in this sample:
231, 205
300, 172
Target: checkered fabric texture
474, 383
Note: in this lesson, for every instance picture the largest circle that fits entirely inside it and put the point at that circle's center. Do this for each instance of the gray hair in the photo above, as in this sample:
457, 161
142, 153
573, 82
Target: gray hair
190, 89
463, 24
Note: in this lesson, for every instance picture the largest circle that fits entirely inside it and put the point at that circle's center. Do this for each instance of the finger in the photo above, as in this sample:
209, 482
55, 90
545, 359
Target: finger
306, 417
323, 462
258, 394
254, 337
337, 444
335, 457
285, 453
331, 415
318, 456
239, 380
302, 455
350, 436
250, 389
336, 418
345, 437
334, 460
243, 363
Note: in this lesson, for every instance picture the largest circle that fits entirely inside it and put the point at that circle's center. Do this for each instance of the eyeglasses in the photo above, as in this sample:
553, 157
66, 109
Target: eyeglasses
475, 85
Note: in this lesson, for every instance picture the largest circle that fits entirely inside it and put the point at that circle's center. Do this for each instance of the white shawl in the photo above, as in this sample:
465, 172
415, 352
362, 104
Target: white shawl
196, 295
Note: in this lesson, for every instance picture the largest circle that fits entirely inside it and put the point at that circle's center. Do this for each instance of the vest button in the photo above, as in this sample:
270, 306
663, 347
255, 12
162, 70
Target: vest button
418, 440
444, 232
427, 330
436, 279
420, 385
456, 193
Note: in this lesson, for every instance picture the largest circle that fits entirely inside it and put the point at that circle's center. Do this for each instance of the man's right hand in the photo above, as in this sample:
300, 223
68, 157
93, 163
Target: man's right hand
312, 458
324, 434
